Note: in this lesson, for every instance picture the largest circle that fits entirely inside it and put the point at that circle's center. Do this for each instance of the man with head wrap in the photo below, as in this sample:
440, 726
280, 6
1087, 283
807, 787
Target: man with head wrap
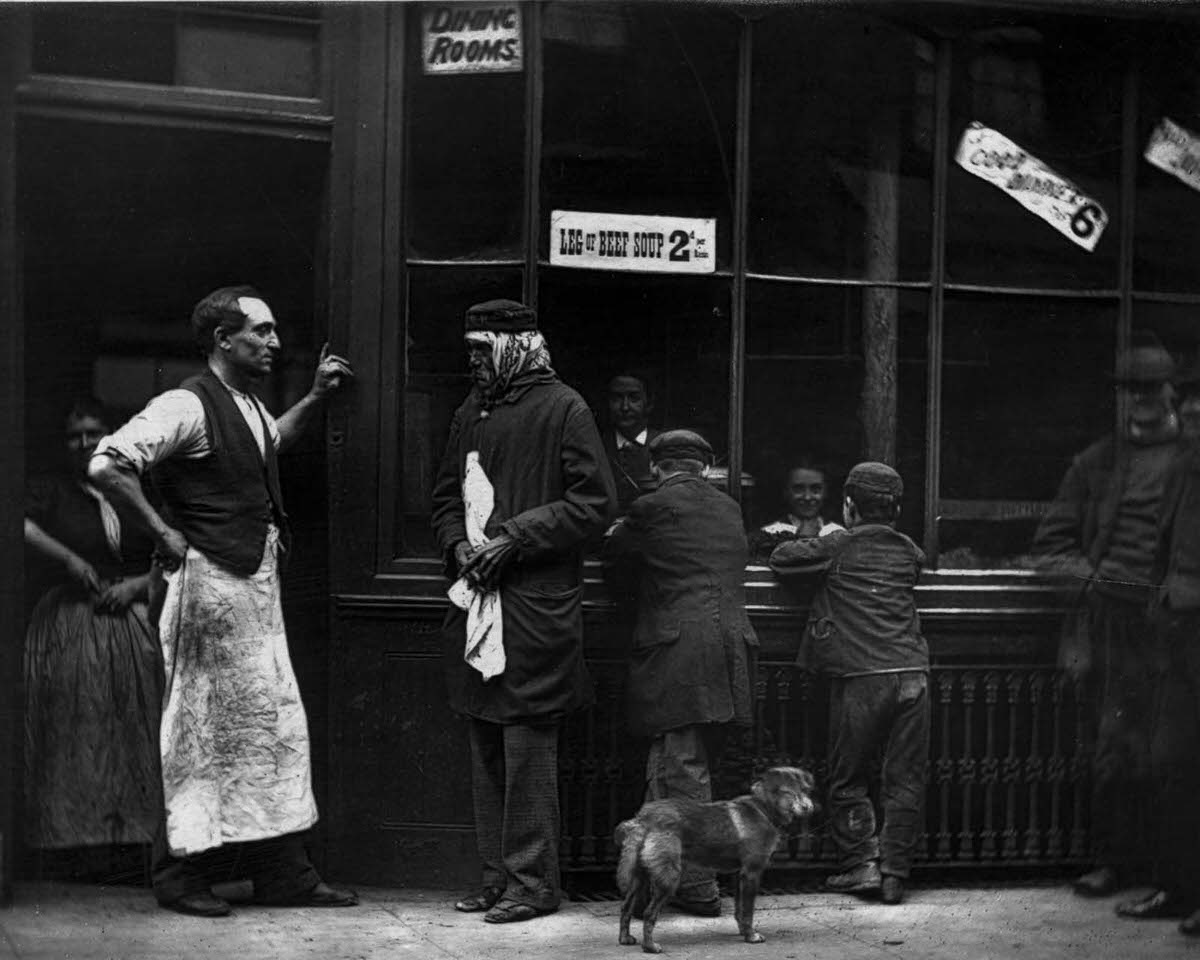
864, 633
523, 484
1098, 537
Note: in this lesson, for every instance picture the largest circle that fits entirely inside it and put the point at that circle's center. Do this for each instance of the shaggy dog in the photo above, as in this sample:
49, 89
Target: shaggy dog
738, 834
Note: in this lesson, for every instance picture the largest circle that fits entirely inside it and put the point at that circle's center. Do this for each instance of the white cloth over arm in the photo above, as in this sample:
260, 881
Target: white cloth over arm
485, 621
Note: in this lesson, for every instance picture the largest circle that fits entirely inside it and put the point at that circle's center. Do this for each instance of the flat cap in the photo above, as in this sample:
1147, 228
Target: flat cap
501, 316
681, 445
875, 477
1146, 361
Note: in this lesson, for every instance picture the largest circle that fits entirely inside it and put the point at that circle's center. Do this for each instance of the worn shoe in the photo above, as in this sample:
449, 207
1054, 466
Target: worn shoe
509, 911
485, 899
1160, 903
865, 878
892, 889
1189, 926
322, 895
698, 908
199, 905
1101, 882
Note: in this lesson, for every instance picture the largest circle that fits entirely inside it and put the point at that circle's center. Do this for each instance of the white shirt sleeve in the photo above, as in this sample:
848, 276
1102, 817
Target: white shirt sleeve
171, 424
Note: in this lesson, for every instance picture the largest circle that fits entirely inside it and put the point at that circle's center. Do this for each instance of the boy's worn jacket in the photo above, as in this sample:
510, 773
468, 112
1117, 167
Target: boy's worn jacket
863, 619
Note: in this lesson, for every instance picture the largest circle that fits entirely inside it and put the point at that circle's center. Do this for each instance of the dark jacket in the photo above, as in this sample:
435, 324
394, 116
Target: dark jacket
682, 551
863, 618
542, 453
1177, 558
224, 502
630, 470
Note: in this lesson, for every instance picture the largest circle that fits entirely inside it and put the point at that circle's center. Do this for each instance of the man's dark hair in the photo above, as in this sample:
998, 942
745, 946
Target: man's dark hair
88, 407
635, 373
681, 465
873, 507
220, 311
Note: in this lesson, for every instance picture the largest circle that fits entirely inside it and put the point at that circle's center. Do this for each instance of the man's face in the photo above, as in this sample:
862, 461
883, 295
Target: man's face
1148, 403
805, 493
628, 406
253, 349
1189, 411
82, 435
480, 361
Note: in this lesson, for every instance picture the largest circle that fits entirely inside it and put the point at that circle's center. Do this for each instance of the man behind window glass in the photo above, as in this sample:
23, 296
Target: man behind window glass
630, 402
1099, 535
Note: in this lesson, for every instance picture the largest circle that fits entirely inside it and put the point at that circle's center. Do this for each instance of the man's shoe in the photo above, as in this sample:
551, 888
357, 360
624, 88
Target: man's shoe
865, 878
199, 905
322, 895
699, 908
1160, 903
1101, 882
509, 911
892, 889
1189, 926
485, 899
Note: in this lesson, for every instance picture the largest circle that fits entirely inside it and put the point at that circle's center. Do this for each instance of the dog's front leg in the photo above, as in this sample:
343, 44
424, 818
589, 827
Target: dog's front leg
747, 890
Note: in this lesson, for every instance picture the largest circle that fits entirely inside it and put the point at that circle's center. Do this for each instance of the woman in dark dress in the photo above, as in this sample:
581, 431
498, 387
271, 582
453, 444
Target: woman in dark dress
93, 671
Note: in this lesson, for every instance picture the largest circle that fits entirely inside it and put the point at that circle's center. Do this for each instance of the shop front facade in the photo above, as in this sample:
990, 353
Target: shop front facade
822, 233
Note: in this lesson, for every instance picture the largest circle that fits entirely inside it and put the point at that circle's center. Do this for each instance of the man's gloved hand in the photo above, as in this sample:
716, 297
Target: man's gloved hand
487, 563
462, 553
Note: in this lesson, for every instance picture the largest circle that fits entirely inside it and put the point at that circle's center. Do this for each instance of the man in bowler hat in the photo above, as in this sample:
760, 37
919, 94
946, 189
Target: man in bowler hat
523, 484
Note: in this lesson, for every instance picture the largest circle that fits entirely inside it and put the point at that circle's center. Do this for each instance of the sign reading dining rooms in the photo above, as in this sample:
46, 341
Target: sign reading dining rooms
471, 38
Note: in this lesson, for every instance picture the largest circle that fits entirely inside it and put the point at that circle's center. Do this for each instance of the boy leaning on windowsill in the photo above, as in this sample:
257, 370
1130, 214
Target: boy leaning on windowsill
863, 632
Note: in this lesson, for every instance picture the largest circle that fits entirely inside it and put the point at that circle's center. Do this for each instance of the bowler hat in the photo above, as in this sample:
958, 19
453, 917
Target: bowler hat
875, 477
501, 316
681, 445
1145, 362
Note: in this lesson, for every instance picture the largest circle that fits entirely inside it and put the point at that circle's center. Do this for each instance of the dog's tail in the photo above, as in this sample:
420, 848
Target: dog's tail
629, 835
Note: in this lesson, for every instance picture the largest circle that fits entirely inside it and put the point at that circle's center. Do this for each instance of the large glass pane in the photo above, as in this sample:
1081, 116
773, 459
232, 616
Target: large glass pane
466, 133
840, 155
639, 112
437, 381
1026, 385
1053, 88
671, 333
105, 41
805, 386
1167, 235
1176, 325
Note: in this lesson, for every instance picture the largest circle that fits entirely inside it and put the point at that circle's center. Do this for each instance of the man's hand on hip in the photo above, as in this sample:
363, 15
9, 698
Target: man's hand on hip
171, 549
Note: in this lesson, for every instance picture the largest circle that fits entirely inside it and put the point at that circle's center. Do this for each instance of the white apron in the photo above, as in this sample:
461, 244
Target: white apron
234, 736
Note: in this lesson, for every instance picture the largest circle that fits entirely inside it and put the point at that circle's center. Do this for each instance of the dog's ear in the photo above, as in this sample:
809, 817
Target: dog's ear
759, 790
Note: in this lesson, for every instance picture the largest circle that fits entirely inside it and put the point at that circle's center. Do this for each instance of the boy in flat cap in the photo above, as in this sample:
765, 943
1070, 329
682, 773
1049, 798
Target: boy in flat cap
863, 632
681, 555
1098, 538
522, 486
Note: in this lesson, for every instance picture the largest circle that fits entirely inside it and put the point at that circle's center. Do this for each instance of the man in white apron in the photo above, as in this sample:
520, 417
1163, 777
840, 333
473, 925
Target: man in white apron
234, 743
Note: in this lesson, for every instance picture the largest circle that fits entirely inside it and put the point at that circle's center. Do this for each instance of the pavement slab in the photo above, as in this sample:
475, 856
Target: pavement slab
76, 922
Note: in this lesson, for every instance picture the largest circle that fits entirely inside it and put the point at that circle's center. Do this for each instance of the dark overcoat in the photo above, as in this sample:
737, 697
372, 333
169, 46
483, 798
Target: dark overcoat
681, 555
543, 455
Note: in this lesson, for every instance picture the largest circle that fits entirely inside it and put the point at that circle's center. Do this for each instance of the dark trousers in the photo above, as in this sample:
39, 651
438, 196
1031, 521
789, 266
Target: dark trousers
1124, 680
878, 729
514, 786
678, 767
1175, 741
279, 868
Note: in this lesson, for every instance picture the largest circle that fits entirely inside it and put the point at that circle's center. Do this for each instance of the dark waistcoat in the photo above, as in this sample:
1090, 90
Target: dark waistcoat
223, 503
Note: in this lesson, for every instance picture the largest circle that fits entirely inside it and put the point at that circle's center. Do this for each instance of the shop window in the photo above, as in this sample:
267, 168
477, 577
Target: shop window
1026, 385
1167, 234
1054, 89
273, 56
1177, 327
465, 191
841, 148
640, 112
805, 388
104, 42
437, 381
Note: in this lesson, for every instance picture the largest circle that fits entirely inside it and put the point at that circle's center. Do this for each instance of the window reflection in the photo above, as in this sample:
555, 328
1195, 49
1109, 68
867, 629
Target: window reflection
840, 152
1026, 384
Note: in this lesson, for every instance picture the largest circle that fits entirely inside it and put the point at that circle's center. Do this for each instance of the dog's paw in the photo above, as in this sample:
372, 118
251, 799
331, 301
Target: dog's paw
627, 940
755, 937
651, 947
